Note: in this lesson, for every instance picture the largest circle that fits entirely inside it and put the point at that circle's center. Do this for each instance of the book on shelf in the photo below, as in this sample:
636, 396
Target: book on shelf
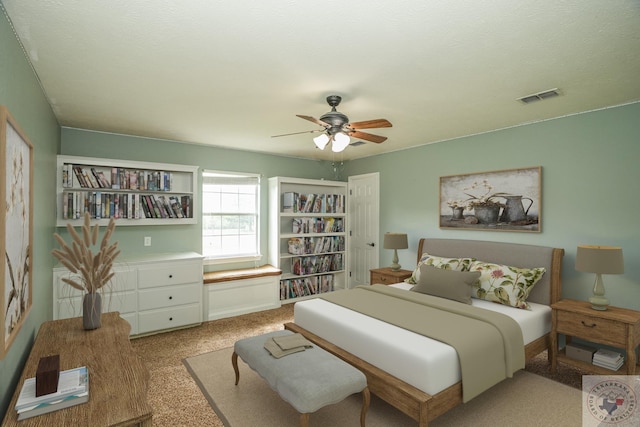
608, 359
308, 205
606, 355
73, 389
289, 202
176, 206
187, 206
611, 366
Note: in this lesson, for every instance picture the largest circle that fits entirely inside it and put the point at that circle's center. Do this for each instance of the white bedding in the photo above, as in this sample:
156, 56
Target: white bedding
427, 364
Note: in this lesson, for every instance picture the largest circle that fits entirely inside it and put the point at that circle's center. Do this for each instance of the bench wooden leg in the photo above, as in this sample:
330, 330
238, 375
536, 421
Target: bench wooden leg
234, 362
366, 399
304, 420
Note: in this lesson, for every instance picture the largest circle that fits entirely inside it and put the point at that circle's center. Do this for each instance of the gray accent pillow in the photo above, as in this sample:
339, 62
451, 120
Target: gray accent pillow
450, 284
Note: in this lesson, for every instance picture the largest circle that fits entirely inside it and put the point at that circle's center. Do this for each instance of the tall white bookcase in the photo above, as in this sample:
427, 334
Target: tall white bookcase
118, 188
307, 235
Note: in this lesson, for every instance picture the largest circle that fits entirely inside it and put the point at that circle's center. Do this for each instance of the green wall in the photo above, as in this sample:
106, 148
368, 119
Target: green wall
590, 181
85, 143
590, 188
22, 95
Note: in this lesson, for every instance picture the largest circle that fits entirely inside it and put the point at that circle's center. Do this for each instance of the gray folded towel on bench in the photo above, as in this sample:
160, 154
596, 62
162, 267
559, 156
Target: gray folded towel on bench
284, 345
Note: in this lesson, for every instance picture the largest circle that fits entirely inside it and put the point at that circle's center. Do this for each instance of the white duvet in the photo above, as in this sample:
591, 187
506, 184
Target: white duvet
426, 364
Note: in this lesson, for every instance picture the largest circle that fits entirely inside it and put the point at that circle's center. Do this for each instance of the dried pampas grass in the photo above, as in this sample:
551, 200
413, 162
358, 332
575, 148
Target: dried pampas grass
94, 270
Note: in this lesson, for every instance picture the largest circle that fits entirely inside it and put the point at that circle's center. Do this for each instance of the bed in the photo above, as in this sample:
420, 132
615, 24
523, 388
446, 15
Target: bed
340, 328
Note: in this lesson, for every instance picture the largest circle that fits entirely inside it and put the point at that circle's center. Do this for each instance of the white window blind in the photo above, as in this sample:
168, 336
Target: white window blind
230, 216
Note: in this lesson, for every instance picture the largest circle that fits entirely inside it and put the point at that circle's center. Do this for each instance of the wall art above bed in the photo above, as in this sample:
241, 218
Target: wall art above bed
506, 200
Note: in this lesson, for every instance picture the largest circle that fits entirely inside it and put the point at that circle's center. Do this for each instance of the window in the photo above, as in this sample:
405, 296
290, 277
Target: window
230, 216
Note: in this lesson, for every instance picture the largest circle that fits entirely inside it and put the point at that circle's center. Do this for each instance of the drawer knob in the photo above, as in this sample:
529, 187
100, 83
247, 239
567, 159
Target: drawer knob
170, 297
593, 325
171, 276
170, 318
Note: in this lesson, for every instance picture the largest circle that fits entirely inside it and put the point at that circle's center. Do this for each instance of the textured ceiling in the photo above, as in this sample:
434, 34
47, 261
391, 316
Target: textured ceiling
233, 73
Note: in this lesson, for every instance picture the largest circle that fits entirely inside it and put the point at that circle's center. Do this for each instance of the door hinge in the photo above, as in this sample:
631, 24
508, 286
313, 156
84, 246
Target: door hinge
350, 233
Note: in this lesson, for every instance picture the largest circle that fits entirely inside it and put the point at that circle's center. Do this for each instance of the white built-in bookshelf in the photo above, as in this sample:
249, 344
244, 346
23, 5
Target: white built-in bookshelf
307, 235
134, 193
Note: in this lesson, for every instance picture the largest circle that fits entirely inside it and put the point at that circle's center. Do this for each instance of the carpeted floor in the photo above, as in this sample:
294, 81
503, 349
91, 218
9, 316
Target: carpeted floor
529, 398
176, 398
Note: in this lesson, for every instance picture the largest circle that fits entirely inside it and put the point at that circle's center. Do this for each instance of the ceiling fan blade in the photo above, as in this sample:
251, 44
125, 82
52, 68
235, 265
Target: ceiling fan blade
298, 133
314, 120
369, 124
367, 136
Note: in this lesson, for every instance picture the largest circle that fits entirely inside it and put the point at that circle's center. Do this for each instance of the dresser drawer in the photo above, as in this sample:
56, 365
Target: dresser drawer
592, 327
122, 280
168, 275
169, 296
123, 302
167, 318
382, 279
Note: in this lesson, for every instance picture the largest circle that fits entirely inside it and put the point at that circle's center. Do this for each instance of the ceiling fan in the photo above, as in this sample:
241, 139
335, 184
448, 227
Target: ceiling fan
337, 129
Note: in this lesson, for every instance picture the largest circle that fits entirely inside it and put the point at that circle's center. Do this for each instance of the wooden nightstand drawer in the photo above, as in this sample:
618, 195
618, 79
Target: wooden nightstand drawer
580, 325
386, 276
381, 278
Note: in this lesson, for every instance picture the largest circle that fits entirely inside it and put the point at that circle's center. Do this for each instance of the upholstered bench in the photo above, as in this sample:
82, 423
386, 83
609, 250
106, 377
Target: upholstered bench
307, 380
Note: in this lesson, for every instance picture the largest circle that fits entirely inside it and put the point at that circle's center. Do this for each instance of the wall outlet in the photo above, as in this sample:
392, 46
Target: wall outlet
147, 241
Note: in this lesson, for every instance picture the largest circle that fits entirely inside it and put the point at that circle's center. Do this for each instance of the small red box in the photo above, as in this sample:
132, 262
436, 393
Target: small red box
47, 375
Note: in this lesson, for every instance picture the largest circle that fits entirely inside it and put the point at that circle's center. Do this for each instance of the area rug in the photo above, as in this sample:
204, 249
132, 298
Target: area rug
525, 400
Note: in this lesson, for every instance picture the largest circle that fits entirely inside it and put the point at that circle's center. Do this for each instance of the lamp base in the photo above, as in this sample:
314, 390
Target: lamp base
598, 300
599, 303
394, 262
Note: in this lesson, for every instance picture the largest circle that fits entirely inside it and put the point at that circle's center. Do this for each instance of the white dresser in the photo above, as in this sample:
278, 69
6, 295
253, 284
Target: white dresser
153, 293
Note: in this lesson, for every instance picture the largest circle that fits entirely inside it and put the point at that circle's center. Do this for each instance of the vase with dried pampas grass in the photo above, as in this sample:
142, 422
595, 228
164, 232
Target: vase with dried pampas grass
92, 271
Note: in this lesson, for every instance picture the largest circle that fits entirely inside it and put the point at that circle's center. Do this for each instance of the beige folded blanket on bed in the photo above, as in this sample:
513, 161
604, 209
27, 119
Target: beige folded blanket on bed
489, 344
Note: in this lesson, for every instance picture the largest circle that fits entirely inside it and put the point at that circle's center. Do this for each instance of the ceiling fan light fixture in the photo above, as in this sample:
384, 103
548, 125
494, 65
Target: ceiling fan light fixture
340, 142
321, 141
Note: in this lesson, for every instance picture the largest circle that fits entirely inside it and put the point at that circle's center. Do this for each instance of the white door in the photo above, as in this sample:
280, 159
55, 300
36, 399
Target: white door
364, 223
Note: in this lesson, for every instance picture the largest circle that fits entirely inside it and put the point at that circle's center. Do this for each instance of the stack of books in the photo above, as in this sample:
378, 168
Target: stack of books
608, 359
73, 389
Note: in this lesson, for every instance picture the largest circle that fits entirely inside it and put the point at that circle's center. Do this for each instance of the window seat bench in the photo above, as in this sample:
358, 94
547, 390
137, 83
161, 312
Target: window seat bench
230, 293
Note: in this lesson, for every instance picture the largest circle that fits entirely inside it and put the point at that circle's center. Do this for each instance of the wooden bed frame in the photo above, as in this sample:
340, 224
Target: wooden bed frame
422, 406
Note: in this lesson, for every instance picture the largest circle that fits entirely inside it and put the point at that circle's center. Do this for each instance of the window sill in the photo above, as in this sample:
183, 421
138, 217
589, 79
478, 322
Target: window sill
231, 260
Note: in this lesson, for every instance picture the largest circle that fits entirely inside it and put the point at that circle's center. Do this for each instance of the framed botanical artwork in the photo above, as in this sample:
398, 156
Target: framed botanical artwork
16, 220
506, 200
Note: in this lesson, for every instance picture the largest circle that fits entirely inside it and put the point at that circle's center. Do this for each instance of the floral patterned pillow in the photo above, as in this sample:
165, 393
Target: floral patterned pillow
458, 264
504, 284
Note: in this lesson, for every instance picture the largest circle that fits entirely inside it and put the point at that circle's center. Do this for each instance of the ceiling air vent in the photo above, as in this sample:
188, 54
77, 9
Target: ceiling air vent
539, 96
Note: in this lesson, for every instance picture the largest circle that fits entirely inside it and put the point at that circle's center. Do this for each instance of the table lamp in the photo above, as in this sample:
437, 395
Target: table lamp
395, 241
599, 260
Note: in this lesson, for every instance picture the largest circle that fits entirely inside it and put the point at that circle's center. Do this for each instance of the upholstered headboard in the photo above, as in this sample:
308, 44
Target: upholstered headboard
547, 291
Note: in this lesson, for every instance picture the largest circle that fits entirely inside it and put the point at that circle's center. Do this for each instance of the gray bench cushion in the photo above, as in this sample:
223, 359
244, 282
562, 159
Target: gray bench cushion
308, 380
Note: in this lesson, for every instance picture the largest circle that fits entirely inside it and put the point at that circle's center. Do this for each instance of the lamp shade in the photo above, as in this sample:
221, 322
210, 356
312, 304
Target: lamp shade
395, 241
340, 142
321, 141
599, 259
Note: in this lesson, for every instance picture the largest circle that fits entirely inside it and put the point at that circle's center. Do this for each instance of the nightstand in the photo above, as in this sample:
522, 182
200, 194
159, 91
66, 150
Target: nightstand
617, 327
386, 276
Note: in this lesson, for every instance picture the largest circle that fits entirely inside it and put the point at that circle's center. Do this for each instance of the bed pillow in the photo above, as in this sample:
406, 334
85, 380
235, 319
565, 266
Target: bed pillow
458, 264
505, 284
450, 284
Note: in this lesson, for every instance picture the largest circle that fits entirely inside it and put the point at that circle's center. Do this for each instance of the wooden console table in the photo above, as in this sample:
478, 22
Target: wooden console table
117, 377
